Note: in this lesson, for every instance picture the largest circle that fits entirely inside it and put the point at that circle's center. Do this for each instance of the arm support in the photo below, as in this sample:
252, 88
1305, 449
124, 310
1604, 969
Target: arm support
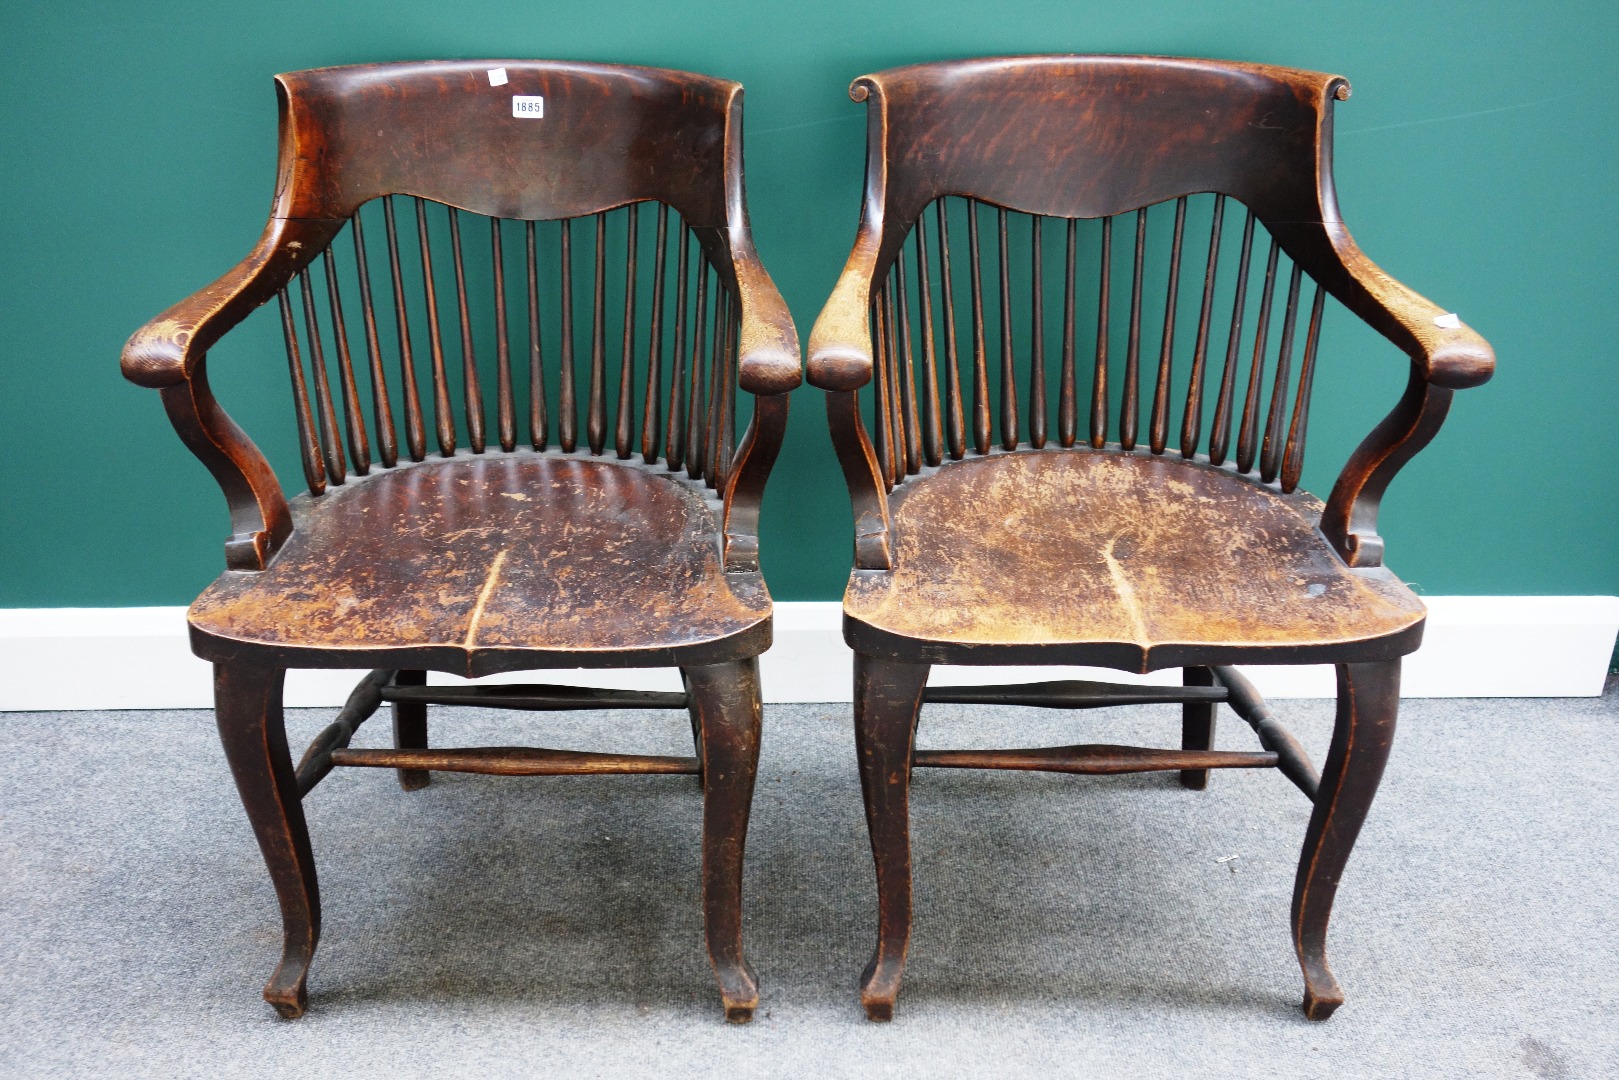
170, 354
745, 482
868, 493
259, 518
1349, 521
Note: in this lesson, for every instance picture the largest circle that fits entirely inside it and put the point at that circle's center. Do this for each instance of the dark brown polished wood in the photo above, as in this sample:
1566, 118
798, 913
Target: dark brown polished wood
1131, 548
470, 547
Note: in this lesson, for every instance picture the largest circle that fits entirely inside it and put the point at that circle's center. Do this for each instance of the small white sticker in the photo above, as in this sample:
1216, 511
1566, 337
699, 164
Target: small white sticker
1448, 321
497, 76
531, 106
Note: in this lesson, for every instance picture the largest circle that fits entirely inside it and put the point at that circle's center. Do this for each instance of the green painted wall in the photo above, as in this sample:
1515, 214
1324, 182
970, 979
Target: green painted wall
1476, 162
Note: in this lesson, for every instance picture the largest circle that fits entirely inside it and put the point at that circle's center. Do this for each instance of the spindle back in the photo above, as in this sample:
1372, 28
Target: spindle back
1174, 327
542, 253
1097, 250
557, 233
615, 332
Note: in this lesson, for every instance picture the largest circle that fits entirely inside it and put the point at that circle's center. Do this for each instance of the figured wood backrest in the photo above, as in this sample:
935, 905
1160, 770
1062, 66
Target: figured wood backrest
1092, 136
445, 130
628, 150
1082, 151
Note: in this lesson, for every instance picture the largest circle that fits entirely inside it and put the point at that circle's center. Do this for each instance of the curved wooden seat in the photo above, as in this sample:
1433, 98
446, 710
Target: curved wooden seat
483, 563
1130, 561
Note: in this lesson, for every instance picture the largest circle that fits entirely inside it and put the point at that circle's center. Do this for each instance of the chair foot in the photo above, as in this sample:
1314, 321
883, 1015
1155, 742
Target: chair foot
1322, 997
247, 707
1368, 703
410, 730
287, 990
727, 708
739, 991
887, 701
879, 988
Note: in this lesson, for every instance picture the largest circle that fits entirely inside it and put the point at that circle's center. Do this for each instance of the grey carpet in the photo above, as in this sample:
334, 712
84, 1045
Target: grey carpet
1065, 926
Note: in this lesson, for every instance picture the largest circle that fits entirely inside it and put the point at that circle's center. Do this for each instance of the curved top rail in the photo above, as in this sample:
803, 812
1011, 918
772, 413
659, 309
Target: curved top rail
1090, 136
452, 132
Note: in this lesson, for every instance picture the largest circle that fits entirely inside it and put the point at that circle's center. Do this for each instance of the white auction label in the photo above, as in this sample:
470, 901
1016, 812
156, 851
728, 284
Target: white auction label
526, 105
497, 76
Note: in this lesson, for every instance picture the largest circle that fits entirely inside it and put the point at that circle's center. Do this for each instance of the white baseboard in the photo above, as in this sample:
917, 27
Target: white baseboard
138, 658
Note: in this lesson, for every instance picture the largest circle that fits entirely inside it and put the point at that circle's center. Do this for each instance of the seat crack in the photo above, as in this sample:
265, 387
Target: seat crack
1126, 592
483, 597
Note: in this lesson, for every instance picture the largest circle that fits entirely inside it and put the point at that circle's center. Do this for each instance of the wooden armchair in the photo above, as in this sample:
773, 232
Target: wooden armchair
1134, 533
427, 541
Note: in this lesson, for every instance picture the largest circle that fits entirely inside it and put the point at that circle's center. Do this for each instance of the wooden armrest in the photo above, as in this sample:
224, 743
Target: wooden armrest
840, 343
769, 355
1448, 352
167, 349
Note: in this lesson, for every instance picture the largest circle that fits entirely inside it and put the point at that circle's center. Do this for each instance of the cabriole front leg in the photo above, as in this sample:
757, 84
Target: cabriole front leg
247, 706
1368, 701
887, 699
726, 704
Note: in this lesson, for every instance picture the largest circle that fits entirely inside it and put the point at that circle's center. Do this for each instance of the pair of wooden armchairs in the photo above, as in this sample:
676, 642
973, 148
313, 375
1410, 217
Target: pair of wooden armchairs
487, 195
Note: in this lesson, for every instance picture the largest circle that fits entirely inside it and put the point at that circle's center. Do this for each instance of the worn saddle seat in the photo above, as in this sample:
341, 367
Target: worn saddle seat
483, 563
1123, 560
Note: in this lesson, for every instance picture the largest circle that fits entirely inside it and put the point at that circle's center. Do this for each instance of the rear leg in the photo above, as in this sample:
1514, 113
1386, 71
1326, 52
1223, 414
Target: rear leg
1197, 725
410, 729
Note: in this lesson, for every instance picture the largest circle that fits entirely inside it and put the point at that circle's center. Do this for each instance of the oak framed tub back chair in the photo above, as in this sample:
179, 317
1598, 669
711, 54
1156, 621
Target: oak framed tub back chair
1069, 367
548, 243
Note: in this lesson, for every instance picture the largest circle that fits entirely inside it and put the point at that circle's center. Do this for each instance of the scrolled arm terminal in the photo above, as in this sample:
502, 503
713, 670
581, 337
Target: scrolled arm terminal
769, 350
840, 343
1449, 353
